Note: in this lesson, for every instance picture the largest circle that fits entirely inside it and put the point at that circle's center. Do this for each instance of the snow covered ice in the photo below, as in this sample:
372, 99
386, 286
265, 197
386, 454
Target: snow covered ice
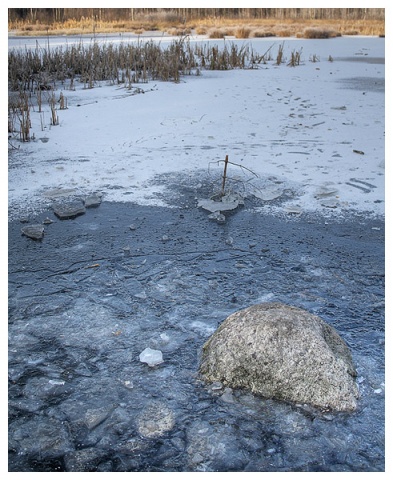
296, 128
145, 267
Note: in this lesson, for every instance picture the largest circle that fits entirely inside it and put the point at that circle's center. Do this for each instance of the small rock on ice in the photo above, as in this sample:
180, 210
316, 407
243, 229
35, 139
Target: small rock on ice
151, 357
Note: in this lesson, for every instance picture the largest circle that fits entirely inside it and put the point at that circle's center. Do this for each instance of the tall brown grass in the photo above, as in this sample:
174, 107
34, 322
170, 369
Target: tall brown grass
243, 32
40, 71
217, 33
169, 23
315, 32
19, 115
37, 70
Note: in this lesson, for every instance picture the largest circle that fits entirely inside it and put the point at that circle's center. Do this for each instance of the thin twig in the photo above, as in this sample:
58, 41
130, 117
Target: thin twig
224, 177
236, 165
12, 146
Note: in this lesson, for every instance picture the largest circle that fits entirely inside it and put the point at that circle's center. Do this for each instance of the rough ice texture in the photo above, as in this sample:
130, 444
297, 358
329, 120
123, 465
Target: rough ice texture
282, 352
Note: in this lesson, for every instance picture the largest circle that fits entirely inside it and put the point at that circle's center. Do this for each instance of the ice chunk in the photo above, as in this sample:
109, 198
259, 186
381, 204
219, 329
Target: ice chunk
293, 209
324, 192
151, 357
330, 203
56, 382
268, 193
164, 337
218, 217
36, 232
93, 201
226, 202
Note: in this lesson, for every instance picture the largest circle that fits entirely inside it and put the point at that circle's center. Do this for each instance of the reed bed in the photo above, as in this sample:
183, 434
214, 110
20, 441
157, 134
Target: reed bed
34, 75
47, 68
166, 22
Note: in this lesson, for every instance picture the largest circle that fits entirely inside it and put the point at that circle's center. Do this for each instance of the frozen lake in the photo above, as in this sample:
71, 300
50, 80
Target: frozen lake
148, 269
317, 128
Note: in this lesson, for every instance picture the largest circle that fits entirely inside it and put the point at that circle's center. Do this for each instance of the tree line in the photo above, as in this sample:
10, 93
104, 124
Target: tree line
55, 15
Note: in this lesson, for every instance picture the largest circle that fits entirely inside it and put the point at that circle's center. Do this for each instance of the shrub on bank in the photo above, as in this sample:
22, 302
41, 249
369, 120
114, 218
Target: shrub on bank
314, 32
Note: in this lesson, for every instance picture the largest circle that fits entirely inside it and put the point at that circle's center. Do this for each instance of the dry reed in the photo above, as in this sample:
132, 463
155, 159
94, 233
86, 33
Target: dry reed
243, 32
319, 33
165, 21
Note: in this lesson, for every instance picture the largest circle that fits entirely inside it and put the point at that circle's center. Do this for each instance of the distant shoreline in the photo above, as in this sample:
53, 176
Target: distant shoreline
219, 28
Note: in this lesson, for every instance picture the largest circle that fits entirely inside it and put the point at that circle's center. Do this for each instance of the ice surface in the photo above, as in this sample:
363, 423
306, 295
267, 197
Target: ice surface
76, 333
299, 125
85, 301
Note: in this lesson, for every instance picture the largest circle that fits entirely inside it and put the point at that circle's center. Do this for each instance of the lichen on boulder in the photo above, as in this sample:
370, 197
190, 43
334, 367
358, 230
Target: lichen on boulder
285, 353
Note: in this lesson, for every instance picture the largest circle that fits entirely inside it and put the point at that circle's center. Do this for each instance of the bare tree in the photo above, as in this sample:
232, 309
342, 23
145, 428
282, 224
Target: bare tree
49, 15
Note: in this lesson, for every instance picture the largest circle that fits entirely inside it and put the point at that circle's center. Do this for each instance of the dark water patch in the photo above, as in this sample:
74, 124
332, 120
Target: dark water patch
188, 189
367, 84
362, 59
94, 293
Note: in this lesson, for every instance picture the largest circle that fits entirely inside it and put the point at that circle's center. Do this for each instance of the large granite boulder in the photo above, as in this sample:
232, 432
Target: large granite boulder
282, 352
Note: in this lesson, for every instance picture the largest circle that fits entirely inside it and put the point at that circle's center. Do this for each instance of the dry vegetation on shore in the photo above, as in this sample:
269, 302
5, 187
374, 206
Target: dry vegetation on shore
34, 75
210, 27
39, 71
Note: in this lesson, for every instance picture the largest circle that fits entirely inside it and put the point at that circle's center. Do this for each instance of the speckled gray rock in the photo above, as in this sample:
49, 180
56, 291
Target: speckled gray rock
282, 352
155, 420
85, 460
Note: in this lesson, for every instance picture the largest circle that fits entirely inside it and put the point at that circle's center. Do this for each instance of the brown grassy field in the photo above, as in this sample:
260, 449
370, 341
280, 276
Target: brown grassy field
211, 27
